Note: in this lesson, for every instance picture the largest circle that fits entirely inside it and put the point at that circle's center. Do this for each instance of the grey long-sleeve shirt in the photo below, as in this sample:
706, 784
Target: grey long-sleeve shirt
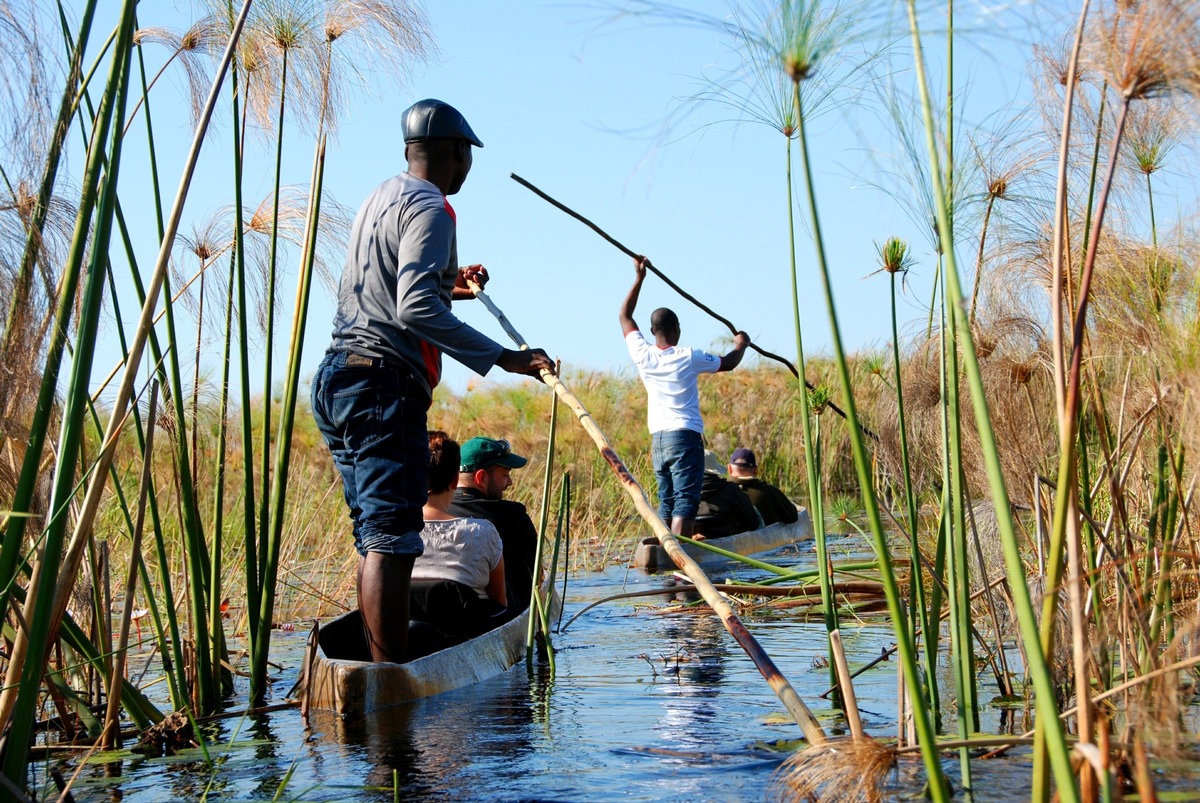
394, 297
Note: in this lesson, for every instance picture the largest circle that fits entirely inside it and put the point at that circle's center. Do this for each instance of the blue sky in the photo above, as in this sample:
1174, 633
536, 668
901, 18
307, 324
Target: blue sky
576, 97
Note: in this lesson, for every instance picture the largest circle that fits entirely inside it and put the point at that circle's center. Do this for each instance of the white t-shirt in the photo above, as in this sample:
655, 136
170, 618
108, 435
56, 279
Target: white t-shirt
670, 374
464, 550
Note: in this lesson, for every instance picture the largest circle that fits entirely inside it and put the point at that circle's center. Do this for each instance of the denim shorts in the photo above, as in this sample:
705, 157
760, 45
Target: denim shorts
372, 416
679, 467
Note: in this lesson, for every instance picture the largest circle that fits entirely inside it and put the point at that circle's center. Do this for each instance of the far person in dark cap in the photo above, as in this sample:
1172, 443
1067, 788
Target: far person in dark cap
724, 509
485, 474
771, 503
393, 322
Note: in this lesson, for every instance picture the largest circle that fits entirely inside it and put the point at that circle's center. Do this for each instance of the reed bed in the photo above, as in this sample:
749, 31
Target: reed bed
1022, 464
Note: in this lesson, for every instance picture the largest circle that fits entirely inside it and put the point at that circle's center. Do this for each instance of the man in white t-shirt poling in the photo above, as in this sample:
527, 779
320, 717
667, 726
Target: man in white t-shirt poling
670, 373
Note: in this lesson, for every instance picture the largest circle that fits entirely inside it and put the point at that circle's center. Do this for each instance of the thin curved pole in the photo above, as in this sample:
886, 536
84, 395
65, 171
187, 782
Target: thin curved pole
628, 252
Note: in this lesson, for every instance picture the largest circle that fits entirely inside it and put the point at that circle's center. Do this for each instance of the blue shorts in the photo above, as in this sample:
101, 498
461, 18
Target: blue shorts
372, 416
679, 467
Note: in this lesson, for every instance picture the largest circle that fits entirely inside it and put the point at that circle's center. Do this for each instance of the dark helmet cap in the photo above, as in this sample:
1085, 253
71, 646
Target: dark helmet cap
436, 119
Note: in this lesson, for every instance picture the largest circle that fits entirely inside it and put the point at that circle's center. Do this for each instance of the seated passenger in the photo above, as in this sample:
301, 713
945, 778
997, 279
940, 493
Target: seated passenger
772, 504
458, 582
724, 508
484, 475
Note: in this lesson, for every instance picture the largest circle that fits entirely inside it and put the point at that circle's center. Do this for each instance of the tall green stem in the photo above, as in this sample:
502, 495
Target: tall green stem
929, 754
258, 673
1038, 667
253, 585
958, 576
918, 610
269, 335
812, 466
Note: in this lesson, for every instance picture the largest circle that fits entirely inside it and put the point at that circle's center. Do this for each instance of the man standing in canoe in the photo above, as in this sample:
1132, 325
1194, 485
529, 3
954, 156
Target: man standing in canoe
772, 504
485, 473
373, 388
670, 373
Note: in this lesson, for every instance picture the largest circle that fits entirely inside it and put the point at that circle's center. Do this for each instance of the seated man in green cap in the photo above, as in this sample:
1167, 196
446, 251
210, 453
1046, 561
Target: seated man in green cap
485, 473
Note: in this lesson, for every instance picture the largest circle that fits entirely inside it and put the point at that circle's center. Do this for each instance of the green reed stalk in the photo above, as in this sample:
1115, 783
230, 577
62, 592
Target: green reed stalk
1038, 667
219, 463
896, 259
956, 530
1158, 592
269, 335
812, 466
937, 782
173, 669
29, 652
987, 218
192, 527
249, 516
287, 420
1095, 166
195, 465
968, 704
565, 535
204, 580
112, 730
543, 521
539, 610
214, 645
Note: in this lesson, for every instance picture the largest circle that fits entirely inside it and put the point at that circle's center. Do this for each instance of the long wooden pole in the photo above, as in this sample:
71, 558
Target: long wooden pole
625, 250
778, 683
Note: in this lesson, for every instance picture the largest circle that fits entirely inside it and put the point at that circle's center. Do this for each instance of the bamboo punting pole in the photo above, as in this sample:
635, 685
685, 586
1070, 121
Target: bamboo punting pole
778, 683
628, 252
849, 701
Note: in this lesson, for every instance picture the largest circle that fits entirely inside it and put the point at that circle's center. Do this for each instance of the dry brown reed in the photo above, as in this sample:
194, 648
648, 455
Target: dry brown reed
192, 49
851, 770
388, 36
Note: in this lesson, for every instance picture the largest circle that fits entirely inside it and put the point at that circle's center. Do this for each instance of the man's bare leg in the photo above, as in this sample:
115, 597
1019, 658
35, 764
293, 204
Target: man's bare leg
383, 583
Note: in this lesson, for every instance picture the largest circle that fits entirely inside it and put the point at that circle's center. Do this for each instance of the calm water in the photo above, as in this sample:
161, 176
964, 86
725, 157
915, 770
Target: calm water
644, 706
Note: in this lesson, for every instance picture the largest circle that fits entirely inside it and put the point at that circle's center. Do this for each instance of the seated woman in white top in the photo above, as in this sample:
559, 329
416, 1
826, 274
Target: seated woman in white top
458, 583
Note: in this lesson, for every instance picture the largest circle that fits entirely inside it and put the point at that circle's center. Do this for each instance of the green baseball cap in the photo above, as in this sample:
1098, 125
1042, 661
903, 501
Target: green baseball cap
480, 453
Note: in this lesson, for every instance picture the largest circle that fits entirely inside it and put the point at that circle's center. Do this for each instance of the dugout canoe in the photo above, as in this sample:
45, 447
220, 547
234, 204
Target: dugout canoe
347, 686
652, 557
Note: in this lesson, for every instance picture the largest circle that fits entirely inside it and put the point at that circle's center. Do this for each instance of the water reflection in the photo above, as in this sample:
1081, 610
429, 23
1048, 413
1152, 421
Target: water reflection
693, 658
434, 746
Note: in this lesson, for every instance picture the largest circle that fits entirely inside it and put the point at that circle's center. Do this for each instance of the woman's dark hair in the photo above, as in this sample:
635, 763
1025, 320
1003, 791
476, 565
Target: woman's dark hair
444, 456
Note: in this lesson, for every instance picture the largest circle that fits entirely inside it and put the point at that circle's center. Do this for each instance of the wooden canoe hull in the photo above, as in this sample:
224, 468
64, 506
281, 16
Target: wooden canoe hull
652, 557
350, 687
